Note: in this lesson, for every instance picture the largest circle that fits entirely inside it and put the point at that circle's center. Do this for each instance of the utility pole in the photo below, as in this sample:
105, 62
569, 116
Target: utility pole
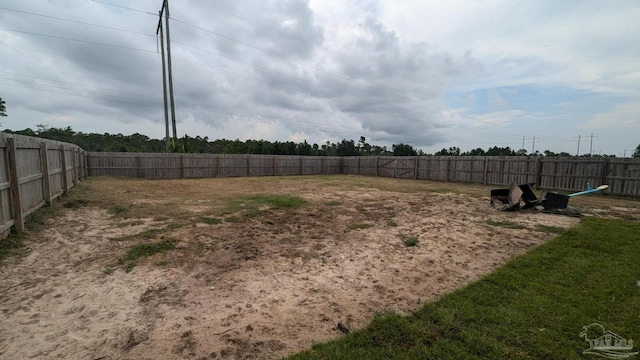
522, 143
164, 84
533, 145
165, 10
591, 145
578, 151
173, 107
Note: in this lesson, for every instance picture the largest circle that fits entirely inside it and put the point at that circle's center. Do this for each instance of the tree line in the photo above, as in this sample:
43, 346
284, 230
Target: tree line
141, 143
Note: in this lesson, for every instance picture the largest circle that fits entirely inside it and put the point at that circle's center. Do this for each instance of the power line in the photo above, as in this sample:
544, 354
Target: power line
77, 22
124, 7
75, 84
78, 40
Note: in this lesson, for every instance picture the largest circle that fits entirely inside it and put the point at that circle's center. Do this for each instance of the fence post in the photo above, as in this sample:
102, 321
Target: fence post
395, 170
446, 170
248, 163
73, 167
341, 165
46, 180
416, 167
181, 166
85, 163
359, 165
377, 165
605, 171
82, 165
539, 173
485, 171
300, 168
273, 166
65, 178
138, 169
15, 186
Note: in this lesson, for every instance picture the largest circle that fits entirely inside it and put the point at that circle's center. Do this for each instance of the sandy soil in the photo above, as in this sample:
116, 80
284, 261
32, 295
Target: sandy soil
261, 289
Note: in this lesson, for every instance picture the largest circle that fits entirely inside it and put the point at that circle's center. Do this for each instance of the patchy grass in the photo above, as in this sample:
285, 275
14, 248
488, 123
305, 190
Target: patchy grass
210, 220
358, 226
136, 252
533, 307
130, 223
246, 207
75, 203
150, 233
10, 245
411, 241
143, 250
549, 229
506, 224
116, 210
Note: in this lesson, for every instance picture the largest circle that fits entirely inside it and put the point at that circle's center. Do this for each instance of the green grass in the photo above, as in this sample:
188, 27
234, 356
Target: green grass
358, 226
506, 224
116, 210
139, 251
10, 245
246, 207
533, 307
148, 234
211, 220
411, 241
550, 229
143, 250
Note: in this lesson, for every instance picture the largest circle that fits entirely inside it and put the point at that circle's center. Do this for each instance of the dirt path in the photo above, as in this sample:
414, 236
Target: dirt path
264, 288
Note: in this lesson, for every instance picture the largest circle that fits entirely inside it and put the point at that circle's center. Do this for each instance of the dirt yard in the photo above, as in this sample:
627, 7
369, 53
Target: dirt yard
245, 283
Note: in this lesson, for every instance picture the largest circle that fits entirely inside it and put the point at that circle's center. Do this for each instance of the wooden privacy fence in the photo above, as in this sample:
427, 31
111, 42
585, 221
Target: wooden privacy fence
563, 174
33, 172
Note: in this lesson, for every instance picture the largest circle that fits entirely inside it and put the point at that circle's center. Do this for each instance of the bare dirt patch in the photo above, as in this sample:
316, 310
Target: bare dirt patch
246, 287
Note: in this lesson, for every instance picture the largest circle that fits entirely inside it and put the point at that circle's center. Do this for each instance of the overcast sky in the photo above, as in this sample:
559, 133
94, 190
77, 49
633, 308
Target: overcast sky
433, 74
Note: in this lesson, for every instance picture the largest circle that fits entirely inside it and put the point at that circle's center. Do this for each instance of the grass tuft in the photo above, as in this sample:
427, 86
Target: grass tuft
411, 241
247, 207
211, 220
10, 245
506, 224
550, 229
143, 250
358, 226
116, 210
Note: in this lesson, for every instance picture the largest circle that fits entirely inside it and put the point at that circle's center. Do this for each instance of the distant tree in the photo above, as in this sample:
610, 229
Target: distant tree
475, 152
498, 151
403, 150
347, 148
3, 108
637, 152
453, 151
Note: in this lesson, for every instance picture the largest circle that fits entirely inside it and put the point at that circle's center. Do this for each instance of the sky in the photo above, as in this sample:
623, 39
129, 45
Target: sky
550, 75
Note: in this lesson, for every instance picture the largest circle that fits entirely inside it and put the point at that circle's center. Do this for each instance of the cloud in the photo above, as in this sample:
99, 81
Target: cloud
623, 117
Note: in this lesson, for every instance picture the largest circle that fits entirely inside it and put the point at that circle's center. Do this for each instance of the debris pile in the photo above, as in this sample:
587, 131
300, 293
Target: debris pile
518, 197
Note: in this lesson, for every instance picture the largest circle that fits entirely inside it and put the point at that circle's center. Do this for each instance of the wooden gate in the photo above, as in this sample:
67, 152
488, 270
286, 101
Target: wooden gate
404, 168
